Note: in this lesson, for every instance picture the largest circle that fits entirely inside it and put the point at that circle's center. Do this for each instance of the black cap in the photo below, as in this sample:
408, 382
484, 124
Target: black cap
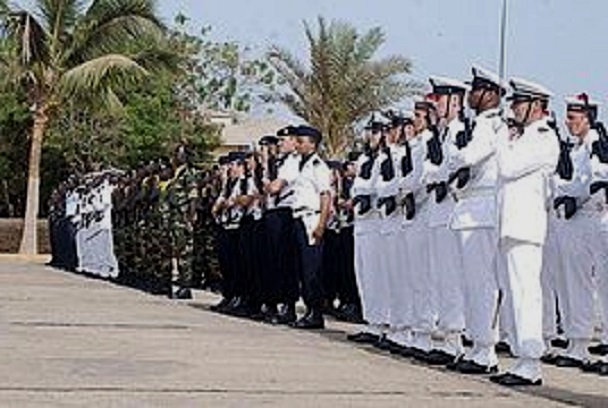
268, 140
353, 156
236, 156
309, 131
334, 164
223, 160
287, 131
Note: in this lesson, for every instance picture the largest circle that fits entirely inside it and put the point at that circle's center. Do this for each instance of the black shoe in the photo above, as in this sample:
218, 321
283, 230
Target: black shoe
220, 306
383, 344
589, 367
503, 348
599, 350
603, 371
471, 367
182, 294
514, 380
363, 338
453, 366
560, 343
286, 315
568, 362
466, 342
439, 357
350, 313
549, 359
419, 354
312, 320
398, 350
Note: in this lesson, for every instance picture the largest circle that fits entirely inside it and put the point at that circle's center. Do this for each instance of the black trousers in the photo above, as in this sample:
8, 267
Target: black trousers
279, 276
248, 279
310, 259
347, 289
227, 252
331, 268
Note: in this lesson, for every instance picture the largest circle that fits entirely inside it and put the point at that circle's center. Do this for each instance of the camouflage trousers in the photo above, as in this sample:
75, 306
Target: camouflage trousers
182, 245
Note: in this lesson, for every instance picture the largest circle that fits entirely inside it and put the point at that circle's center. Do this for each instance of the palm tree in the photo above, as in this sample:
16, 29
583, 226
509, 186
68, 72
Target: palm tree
342, 82
62, 50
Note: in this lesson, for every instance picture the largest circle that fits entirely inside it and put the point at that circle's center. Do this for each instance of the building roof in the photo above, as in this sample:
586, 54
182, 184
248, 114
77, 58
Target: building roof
249, 130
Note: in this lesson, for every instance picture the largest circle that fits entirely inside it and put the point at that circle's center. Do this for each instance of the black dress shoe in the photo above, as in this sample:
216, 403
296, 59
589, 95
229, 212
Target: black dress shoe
560, 343
549, 359
350, 313
418, 354
383, 344
589, 367
453, 366
439, 357
286, 315
398, 349
603, 370
568, 362
473, 368
312, 320
182, 294
599, 350
503, 348
363, 338
514, 380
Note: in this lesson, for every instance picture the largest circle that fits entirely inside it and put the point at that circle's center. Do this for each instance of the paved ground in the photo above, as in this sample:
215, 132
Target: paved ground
70, 341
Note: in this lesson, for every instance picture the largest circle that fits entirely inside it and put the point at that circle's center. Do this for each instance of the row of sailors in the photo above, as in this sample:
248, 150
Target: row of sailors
467, 226
81, 225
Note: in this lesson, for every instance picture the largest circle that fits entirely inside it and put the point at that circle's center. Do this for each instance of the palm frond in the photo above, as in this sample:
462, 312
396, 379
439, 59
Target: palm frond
59, 17
29, 35
110, 71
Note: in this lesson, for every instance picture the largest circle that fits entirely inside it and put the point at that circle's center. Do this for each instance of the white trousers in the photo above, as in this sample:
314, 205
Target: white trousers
479, 249
395, 252
523, 261
422, 284
372, 279
445, 265
552, 272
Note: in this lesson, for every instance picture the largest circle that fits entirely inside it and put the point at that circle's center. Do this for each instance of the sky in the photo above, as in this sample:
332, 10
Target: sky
558, 43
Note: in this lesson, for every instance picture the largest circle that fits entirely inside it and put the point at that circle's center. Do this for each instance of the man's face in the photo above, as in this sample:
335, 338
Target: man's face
393, 135
521, 109
410, 131
577, 123
350, 170
474, 98
420, 122
305, 145
374, 138
287, 144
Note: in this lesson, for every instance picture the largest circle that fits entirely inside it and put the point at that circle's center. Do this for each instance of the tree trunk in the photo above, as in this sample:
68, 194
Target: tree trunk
29, 239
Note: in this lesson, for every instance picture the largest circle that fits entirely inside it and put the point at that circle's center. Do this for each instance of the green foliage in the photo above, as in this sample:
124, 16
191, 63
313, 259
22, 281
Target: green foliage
341, 82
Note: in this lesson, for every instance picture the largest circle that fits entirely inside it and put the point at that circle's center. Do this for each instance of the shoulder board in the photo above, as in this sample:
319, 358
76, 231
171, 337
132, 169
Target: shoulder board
543, 129
316, 162
493, 115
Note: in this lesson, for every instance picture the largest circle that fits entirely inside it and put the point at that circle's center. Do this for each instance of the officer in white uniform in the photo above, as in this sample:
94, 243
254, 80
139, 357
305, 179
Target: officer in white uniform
445, 255
526, 163
311, 211
372, 279
416, 204
578, 245
475, 219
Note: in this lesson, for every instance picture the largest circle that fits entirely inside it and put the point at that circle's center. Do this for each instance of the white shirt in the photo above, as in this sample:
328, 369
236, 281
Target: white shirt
288, 172
313, 180
525, 166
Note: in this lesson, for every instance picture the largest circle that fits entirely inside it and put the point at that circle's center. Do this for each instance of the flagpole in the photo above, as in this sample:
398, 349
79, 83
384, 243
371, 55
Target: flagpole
502, 60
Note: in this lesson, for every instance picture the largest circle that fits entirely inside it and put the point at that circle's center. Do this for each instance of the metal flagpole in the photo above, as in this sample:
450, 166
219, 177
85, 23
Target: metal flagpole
502, 64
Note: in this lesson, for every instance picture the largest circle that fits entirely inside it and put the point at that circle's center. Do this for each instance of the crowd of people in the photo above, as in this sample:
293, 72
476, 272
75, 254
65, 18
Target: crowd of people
443, 229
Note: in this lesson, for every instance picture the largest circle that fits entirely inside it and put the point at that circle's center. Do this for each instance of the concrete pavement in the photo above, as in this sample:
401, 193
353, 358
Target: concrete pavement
70, 341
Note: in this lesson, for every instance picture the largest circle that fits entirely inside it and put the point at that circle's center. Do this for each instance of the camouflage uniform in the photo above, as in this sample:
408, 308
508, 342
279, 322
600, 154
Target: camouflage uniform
181, 194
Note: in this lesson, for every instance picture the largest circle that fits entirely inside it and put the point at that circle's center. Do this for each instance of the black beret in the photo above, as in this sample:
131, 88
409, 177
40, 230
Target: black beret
268, 140
309, 131
287, 131
334, 164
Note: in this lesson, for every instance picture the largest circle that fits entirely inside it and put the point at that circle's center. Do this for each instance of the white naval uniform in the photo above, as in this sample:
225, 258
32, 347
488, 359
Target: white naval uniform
392, 257
525, 165
372, 281
475, 219
445, 255
415, 246
585, 251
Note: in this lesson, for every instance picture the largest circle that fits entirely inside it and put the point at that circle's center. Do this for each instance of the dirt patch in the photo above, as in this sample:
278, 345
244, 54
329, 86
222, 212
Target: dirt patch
10, 236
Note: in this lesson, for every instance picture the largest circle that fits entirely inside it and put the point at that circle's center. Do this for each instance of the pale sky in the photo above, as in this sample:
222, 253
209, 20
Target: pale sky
559, 43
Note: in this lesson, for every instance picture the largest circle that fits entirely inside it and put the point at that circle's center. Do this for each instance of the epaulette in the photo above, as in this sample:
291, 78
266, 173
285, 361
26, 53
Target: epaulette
543, 129
316, 162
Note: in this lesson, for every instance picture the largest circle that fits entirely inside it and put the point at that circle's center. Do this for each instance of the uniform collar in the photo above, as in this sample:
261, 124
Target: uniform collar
489, 113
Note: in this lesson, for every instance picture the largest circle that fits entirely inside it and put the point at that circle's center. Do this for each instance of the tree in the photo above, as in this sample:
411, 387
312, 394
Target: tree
63, 51
342, 82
